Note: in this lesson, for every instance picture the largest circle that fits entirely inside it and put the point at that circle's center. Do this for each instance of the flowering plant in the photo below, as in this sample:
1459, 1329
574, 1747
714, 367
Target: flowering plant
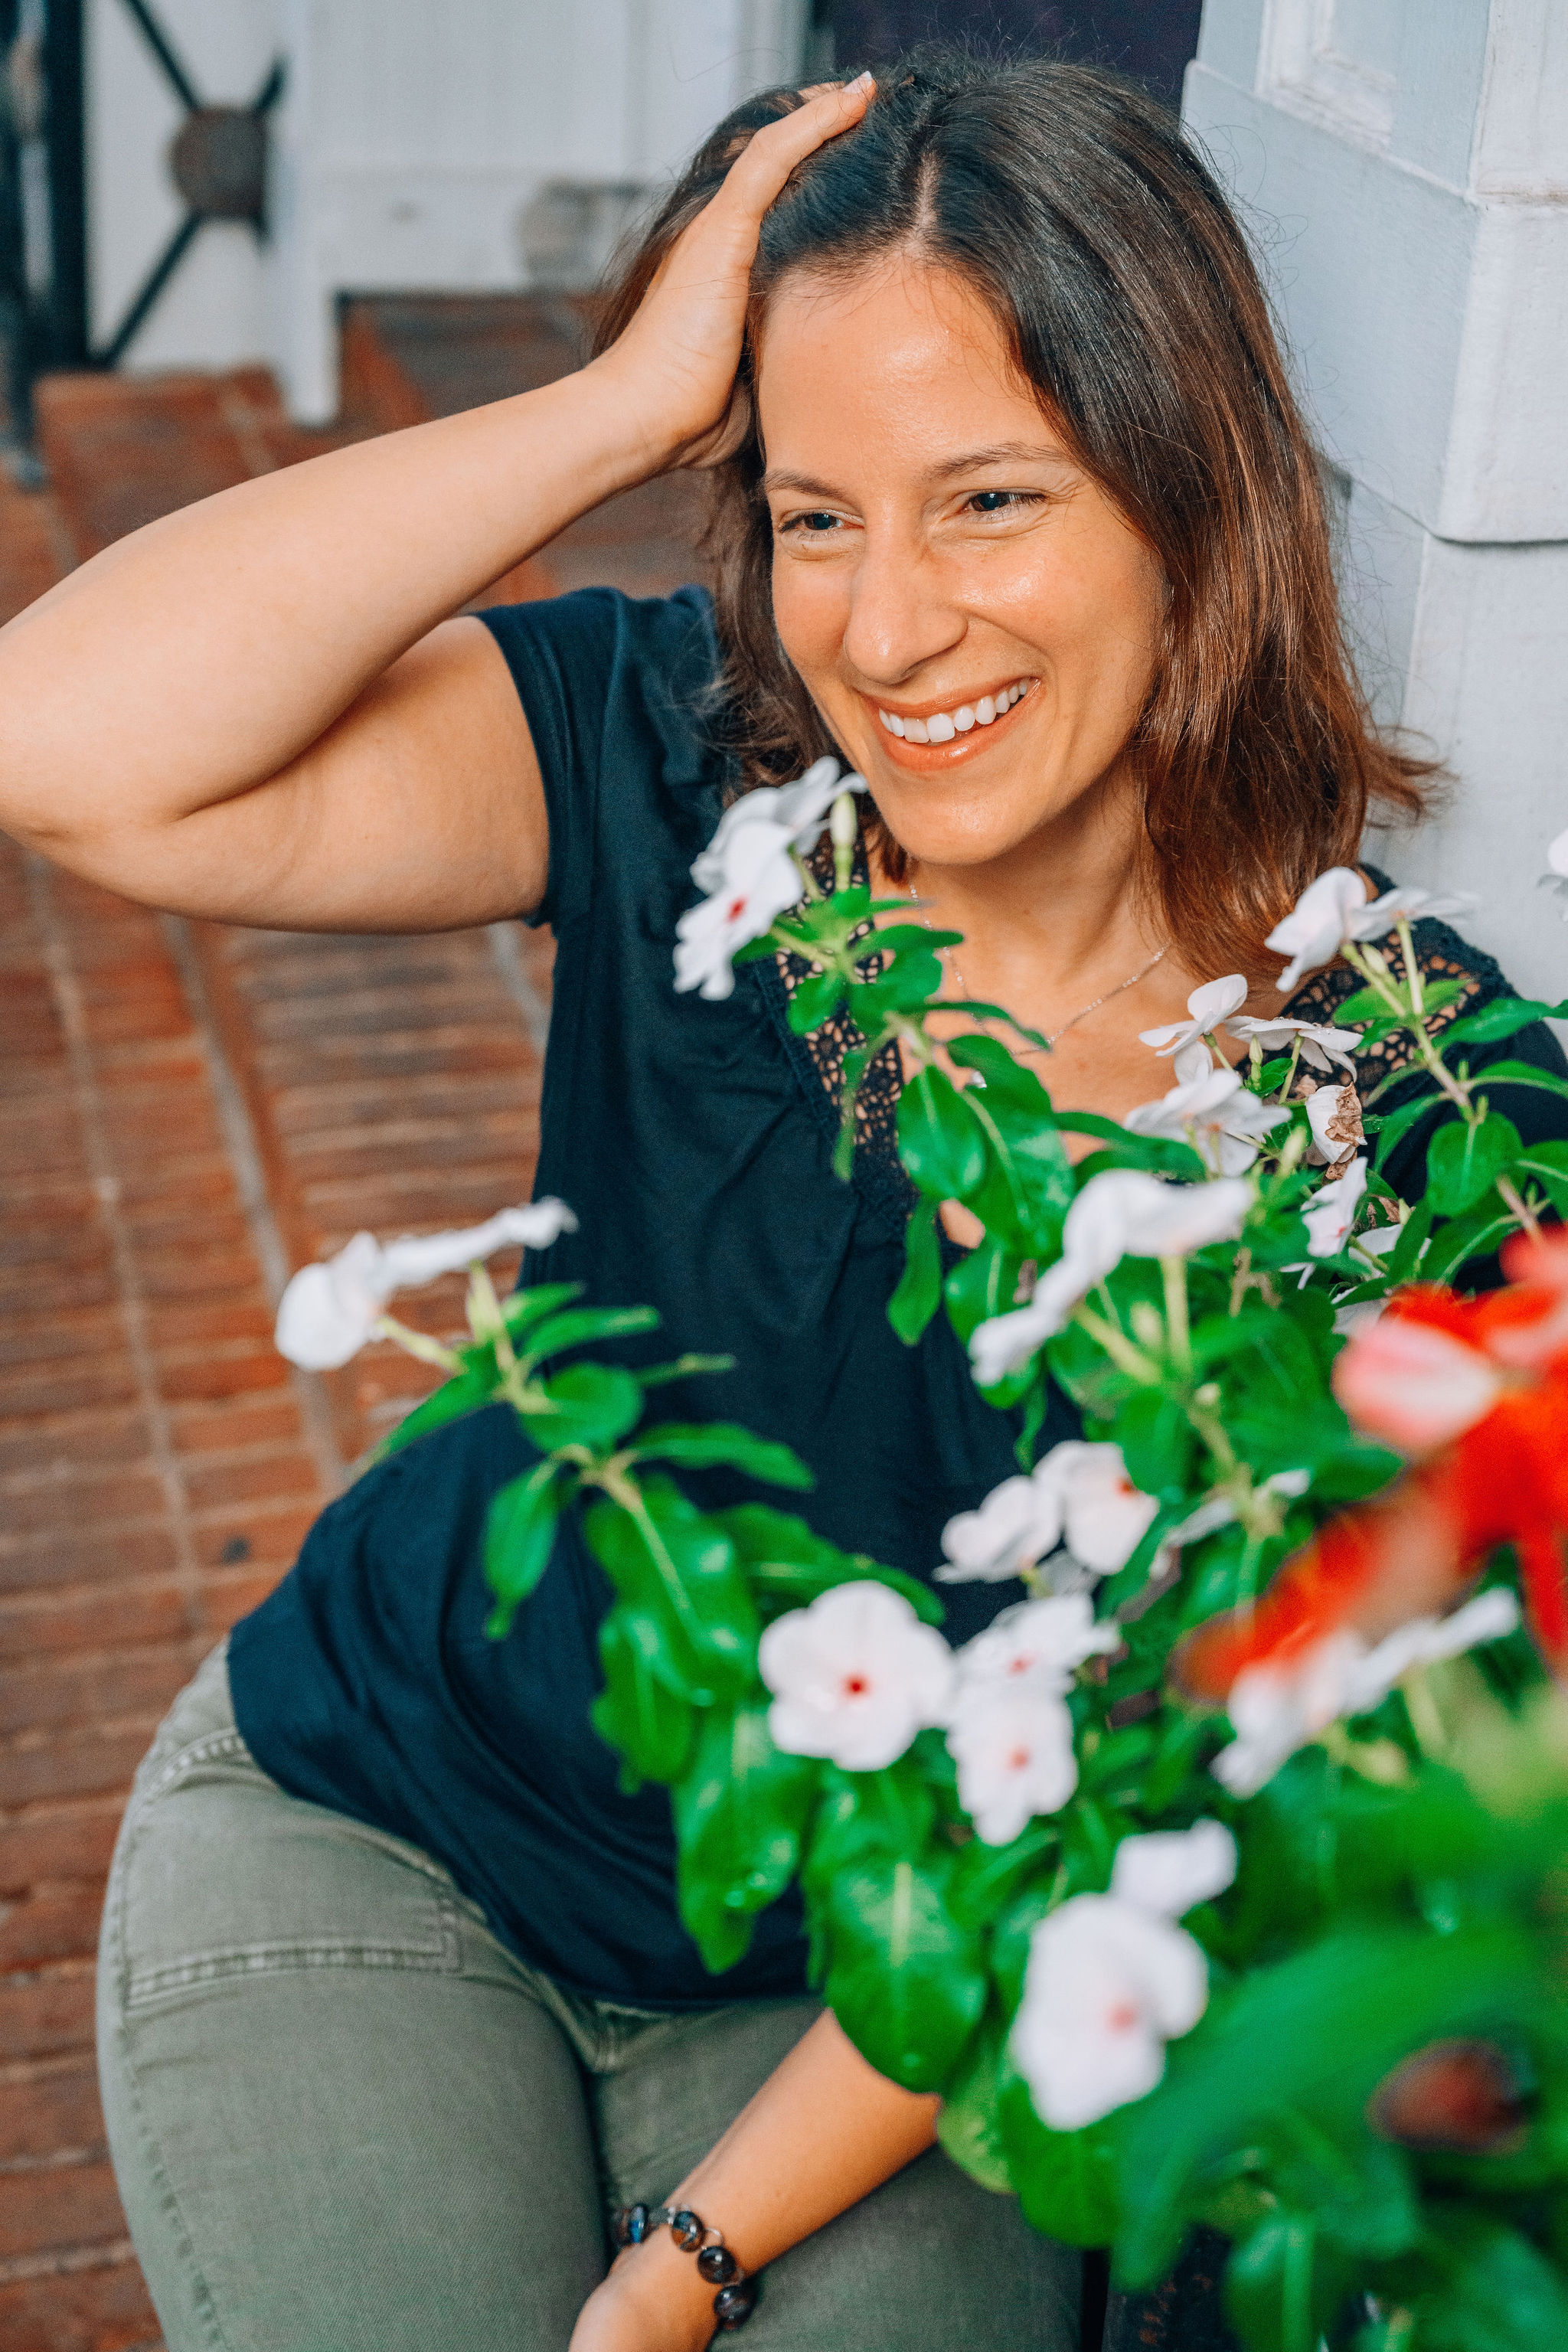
1220, 1879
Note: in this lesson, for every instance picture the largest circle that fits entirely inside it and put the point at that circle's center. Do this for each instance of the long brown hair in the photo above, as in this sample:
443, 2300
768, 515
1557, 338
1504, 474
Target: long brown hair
1129, 299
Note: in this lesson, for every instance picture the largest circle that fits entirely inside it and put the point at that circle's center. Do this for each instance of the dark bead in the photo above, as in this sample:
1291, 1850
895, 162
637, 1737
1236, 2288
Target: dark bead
733, 2306
718, 2265
636, 2225
686, 2229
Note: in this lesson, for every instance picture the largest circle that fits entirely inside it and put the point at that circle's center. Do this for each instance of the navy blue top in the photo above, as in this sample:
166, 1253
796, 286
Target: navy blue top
694, 1140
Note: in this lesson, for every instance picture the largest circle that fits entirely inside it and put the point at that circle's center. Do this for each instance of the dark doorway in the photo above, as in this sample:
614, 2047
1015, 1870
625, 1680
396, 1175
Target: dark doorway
1153, 39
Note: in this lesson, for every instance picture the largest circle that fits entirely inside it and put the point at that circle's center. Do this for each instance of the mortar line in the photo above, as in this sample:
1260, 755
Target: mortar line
239, 1133
91, 1113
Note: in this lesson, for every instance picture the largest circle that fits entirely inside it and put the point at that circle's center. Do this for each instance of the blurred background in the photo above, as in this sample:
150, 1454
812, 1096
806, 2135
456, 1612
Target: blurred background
234, 232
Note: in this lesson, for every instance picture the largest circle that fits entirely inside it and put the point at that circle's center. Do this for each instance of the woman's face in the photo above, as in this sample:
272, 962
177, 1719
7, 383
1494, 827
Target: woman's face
974, 618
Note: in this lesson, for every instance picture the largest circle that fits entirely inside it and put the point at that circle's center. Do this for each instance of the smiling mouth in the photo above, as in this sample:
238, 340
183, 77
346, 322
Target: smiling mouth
963, 718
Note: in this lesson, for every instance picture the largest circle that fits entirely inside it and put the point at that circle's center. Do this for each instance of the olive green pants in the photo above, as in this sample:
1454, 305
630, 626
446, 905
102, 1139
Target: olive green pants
344, 2118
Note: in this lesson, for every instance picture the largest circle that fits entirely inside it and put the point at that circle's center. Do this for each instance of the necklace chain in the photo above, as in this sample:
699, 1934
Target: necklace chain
1084, 1010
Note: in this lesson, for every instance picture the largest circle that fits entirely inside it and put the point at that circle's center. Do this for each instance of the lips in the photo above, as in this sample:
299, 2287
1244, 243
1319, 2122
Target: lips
933, 739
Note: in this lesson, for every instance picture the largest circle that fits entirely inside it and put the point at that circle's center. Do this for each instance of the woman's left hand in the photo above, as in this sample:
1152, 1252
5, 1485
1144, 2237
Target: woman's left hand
646, 2306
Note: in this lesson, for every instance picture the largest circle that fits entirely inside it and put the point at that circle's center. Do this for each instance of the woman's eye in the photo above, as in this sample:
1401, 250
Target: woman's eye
999, 501
817, 524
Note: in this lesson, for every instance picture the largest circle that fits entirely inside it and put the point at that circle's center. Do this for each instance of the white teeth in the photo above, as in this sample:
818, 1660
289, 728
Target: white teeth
943, 725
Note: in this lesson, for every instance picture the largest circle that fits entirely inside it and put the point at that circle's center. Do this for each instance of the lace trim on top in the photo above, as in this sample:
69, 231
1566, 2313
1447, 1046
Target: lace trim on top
1440, 954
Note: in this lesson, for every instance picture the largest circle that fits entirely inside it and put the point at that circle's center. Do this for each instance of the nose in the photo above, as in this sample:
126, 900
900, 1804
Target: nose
901, 614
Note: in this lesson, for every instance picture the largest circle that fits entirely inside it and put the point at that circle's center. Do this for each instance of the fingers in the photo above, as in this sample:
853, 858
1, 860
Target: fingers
757, 177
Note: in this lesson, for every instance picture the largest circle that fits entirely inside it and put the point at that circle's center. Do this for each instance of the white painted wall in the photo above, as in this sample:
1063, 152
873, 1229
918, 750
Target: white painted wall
1403, 164
411, 135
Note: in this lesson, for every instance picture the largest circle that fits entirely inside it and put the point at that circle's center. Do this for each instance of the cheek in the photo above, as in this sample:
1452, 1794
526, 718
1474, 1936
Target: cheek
811, 610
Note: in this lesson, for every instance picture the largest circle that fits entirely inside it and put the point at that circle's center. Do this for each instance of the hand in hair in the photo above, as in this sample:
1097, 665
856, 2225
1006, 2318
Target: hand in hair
677, 355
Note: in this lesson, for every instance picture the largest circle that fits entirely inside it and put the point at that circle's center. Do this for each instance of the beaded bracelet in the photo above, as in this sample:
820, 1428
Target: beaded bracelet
737, 2295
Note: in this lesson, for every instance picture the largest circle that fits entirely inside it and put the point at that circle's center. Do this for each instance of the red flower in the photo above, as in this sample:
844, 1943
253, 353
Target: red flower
1477, 1392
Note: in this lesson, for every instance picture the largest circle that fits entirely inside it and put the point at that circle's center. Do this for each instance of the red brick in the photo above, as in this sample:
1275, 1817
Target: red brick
46, 1698
292, 1474
59, 2206
120, 1616
217, 1429
81, 1500
55, 1923
105, 2308
50, 2110
59, 1843
182, 1378
60, 1555
44, 2012
82, 1760
273, 1531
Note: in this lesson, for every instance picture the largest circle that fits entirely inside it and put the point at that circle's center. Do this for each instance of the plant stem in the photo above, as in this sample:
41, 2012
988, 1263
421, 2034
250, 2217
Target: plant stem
1521, 1207
418, 1343
1178, 1331
1118, 1346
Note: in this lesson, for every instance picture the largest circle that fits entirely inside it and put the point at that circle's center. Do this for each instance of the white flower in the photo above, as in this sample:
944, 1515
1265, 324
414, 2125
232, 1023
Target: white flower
1320, 1047
1216, 1114
749, 874
1219, 1510
1277, 1709
1192, 1061
1105, 1517
854, 1676
1014, 1526
1334, 1114
328, 1311
1173, 1871
1334, 908
1014, 1756
1556, 877
1122, 1212
1332, 1208
1111, 1980
1038, 1643
1206, 1006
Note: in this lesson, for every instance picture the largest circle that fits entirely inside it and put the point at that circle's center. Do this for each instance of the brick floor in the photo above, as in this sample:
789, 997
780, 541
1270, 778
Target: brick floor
187, 1112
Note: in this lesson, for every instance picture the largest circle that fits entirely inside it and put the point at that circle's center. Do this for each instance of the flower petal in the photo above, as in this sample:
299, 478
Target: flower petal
1411, 1385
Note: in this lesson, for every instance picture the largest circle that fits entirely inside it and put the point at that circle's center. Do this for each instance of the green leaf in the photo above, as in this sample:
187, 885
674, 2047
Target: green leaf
906, 1982
672, 1560
1477, 1235
1464, 1161
1403, 1259
593, 1405
983, 1283
581, 1324
1366, 1004
1520, 1073
1284, 2284
1493, 2289
1502, 1018
1547, 1165
919, 1293
701, 1446
788, 1565
1392, 1125
1156, 1442
967, 2125
525, 1307
642, 1712
739, 1813
939, 1141
1067, 2182
520, 1533
816, 999
469, 1392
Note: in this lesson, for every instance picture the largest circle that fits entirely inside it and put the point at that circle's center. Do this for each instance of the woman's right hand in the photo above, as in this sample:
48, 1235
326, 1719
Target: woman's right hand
676, 361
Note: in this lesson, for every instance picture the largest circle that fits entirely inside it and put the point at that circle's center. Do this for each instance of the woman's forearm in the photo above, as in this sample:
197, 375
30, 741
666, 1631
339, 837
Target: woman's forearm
204, 654
823, 2132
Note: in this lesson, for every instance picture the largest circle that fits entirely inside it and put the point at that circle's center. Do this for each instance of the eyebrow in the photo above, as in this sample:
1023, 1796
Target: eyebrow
996, 453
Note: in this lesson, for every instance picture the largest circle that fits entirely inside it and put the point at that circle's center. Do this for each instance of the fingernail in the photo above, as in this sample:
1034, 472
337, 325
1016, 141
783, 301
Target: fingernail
861, 81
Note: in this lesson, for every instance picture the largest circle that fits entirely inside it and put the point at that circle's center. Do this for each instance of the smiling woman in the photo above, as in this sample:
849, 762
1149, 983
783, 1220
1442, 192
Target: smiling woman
1015, 515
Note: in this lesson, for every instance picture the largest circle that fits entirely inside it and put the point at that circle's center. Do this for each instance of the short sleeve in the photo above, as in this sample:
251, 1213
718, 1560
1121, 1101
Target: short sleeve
610, 687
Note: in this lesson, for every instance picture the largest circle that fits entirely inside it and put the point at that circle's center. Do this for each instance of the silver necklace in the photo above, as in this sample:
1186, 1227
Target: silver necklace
1083, 1012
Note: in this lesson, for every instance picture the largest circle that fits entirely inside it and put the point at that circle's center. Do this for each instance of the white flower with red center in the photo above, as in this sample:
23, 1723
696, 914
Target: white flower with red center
330, 1311
1111, 1978
1105, 1517
854, 1676
1280, 1706
1217, 1114
1320, 1047
1012, 1746
1039, 1644
1017, 1524
1335, 908
751, 873
1206, 1007
1078, 1487
1333, 1209
1122, 1212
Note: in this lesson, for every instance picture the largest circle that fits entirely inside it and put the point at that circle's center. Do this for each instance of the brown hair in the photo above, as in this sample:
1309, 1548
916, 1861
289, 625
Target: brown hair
1131, 304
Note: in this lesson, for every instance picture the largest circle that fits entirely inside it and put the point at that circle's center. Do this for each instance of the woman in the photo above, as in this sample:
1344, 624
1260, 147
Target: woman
1014, 511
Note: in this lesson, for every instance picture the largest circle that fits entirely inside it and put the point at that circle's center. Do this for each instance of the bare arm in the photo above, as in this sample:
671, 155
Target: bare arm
823, 2131
258, 709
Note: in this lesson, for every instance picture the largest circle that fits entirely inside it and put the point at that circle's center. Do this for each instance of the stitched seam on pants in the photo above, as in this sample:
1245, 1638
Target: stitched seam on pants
184, 2245
441, 1956
214, 1747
